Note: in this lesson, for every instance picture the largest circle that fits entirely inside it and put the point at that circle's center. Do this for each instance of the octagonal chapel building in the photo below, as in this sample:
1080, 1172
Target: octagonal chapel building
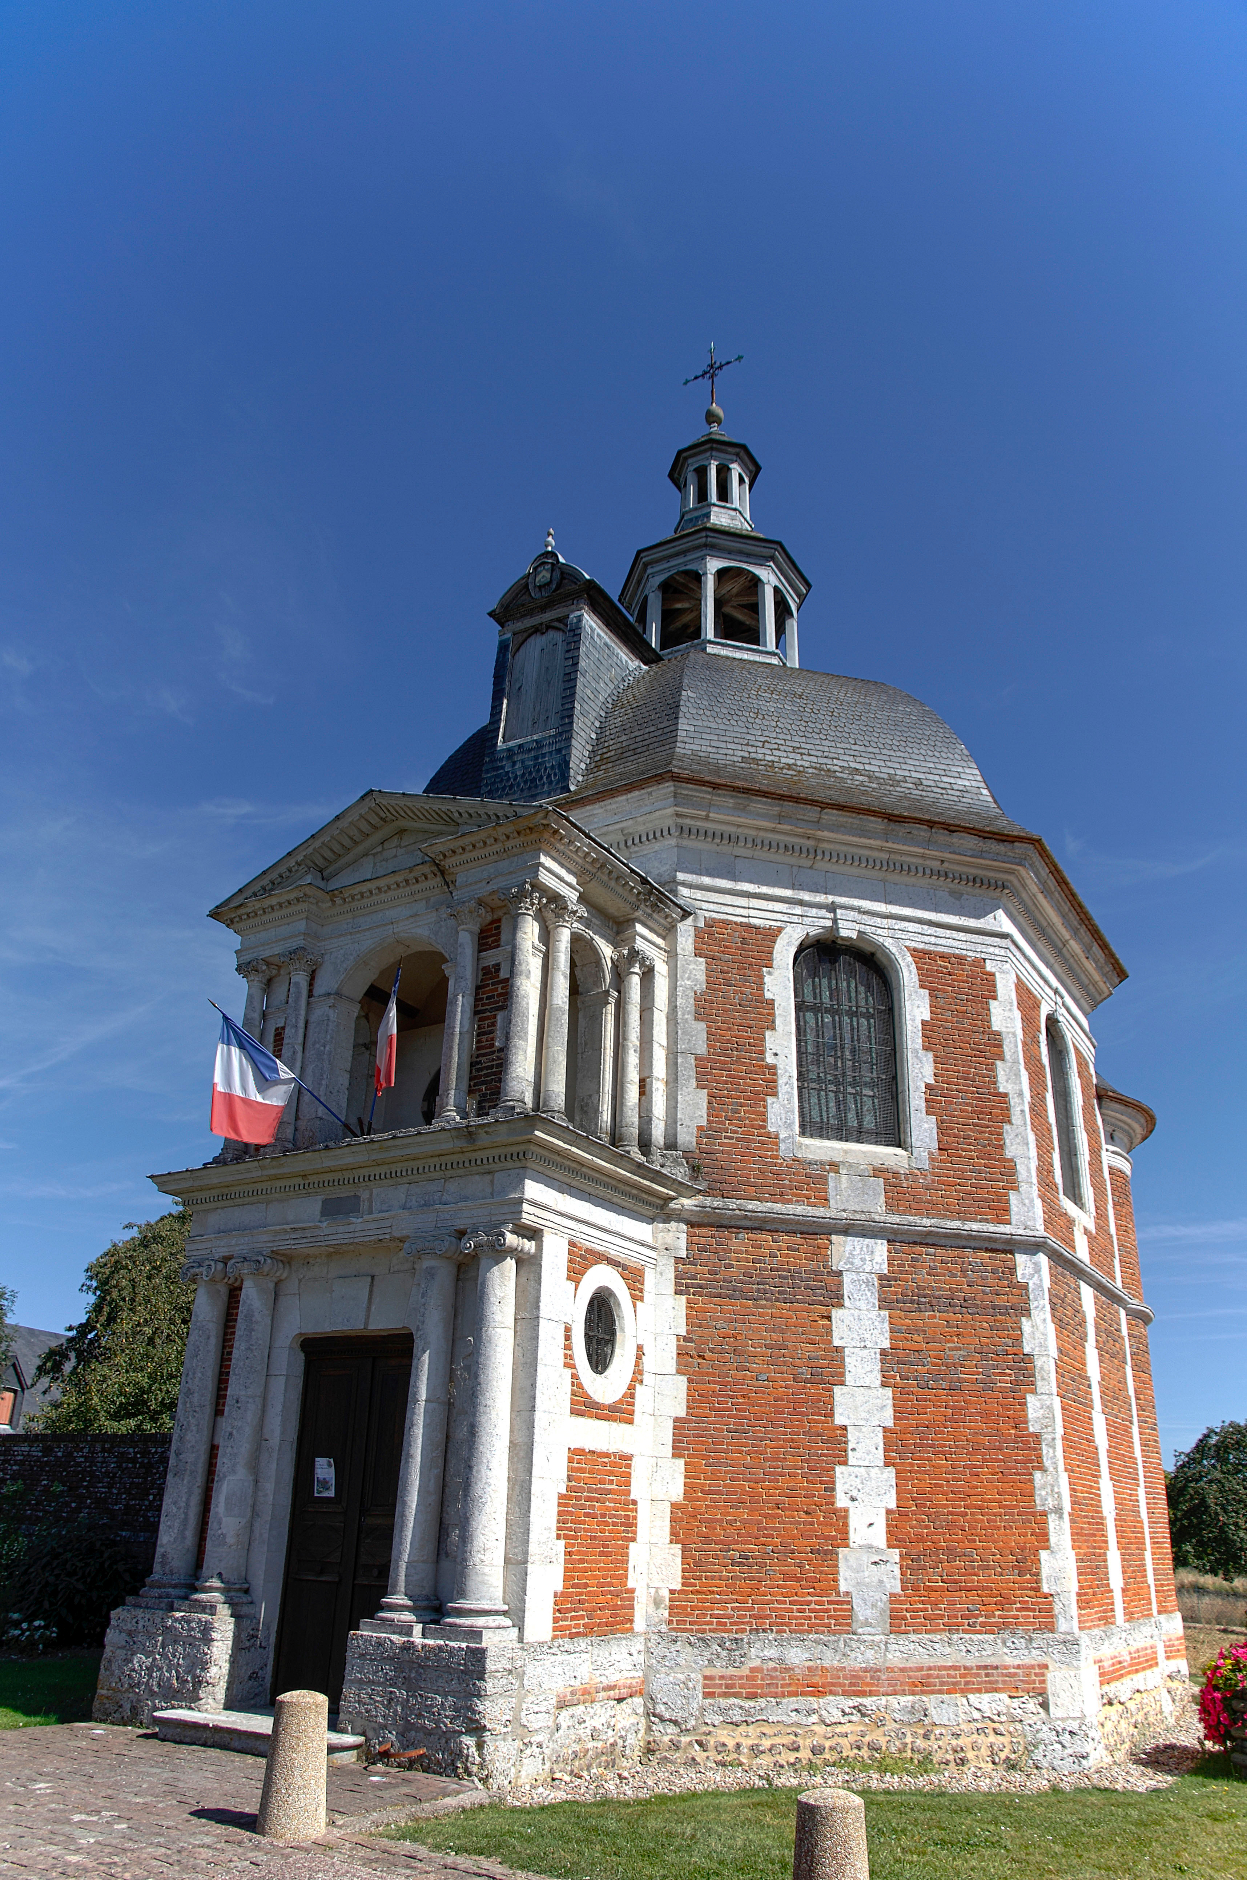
729, 1341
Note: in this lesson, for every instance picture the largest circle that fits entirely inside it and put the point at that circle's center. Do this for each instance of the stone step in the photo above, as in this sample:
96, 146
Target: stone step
247, 1731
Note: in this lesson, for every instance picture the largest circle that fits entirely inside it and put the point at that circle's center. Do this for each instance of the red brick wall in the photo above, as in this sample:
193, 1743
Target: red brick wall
1082, 1462
965, 1522
597, 1524
623, 1409
970, 1176
492, 992
739, 1155
1123, 1466
758, 1525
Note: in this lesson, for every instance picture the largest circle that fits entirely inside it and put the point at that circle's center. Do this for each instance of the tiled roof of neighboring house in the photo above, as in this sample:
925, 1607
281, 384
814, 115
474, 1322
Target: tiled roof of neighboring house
794, 732
28, 1346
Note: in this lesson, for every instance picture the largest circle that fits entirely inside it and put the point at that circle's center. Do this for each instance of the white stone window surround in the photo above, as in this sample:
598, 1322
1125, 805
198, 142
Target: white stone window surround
915, 1068
613, 1382
1082, 1217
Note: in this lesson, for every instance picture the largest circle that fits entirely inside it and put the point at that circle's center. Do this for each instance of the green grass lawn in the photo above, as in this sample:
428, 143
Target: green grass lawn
1197, 1827
56, 1689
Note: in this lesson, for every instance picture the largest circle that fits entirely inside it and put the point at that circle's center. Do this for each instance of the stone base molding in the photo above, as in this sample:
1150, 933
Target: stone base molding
184, 1659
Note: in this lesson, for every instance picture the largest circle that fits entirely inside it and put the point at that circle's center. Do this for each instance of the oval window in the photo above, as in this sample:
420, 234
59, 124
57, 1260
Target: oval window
601, 1332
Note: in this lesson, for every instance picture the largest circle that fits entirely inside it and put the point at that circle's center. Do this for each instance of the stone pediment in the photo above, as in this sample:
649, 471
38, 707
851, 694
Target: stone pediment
396, 825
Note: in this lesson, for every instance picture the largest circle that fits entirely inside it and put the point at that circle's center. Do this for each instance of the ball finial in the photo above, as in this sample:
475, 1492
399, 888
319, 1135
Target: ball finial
714, 417
549, 541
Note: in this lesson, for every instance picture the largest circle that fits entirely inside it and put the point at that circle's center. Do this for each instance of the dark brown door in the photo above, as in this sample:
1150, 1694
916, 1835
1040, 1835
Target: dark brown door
342, 1511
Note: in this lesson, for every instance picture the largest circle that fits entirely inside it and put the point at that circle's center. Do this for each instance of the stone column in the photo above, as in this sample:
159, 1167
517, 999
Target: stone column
173, 1570
302, 965
460, 1015
631, 963
517, 1064
707, 601
229, 1526
560, 918
790, 655
328, 1039
766, 614
478, 1611
411, 1601
257, 974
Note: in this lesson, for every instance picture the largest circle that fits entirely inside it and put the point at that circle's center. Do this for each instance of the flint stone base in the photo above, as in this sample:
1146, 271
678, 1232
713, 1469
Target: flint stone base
179, 1660
504, 1715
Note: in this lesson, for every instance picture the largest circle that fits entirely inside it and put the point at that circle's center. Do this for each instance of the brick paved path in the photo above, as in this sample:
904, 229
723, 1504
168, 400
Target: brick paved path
79, 1800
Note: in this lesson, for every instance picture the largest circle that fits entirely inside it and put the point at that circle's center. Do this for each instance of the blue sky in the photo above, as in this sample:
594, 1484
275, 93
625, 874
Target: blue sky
314, 318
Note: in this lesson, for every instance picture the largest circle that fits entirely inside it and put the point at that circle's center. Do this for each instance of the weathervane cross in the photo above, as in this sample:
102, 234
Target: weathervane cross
713, 370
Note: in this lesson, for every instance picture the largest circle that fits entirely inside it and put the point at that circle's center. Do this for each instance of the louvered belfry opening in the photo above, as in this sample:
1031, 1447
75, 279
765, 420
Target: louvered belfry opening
846, 1047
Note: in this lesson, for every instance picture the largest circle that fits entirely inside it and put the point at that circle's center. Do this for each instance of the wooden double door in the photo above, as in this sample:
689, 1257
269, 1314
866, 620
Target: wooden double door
342, 1509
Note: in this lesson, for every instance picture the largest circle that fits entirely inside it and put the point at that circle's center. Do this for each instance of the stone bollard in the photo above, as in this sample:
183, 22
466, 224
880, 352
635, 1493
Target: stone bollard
831, 1836
292, 1805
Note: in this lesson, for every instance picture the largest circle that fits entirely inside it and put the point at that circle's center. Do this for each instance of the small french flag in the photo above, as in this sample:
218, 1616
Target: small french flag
387, 1043
250, 1088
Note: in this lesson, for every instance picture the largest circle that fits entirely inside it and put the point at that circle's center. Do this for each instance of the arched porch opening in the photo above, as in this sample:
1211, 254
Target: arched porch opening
411, 1101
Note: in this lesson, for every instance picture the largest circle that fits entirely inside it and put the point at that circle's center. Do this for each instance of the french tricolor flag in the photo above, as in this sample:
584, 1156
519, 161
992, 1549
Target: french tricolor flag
387, 1043
250, 1088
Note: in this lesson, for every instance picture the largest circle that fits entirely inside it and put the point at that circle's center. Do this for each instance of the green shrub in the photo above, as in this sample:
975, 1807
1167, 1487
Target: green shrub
61, 1574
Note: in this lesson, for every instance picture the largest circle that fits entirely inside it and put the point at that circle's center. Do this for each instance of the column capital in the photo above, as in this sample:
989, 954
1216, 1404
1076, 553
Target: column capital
255, 1266
303, 960
505, 1239
252, 970
203, 1269
445, 1248
632, 960
562, 910
471, 914
526, 899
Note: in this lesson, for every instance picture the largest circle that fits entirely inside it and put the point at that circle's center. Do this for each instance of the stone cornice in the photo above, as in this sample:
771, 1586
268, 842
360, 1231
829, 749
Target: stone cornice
917, 1230
1039, 899
552, 1150
524, 831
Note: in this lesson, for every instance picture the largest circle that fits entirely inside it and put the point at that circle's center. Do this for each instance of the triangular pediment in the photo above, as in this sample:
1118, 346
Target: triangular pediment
380, 833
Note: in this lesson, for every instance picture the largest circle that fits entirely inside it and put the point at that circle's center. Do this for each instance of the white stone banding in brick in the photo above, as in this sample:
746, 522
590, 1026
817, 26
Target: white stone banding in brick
869, 1569
1099, 1426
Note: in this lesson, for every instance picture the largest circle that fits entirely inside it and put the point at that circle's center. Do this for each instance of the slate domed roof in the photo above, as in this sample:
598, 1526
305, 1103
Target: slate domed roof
790, 732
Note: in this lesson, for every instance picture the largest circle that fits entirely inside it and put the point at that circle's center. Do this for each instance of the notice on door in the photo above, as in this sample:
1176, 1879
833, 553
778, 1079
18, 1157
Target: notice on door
323, 1486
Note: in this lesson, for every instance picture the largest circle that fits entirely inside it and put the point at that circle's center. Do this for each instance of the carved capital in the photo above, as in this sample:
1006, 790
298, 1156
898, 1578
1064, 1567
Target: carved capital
447, 1248
202, 1269
632, 960
251, 970
471, 915
504, 1239
527, 899
255, 1266
561, 912
302, 960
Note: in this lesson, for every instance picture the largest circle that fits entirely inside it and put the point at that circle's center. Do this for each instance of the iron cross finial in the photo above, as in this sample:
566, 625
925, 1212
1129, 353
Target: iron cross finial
713, 370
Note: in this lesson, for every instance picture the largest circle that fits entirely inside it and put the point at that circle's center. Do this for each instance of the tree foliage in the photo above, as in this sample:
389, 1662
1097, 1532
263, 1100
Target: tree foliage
1208, 1503
8, 1299
119, 1370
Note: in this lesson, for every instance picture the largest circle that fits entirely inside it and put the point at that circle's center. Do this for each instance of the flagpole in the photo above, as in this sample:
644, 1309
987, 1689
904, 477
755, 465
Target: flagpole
298, 1080
375, 1092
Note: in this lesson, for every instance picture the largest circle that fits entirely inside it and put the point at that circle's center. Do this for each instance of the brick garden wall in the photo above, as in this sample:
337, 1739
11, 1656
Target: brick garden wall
118, 1480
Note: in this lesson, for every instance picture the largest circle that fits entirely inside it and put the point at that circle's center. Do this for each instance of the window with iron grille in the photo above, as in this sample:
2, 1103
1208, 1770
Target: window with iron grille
1060, 1072
846, 1047
601, 1332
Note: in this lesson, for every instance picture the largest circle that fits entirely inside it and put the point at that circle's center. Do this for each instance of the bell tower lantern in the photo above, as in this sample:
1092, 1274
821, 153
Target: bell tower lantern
715, 582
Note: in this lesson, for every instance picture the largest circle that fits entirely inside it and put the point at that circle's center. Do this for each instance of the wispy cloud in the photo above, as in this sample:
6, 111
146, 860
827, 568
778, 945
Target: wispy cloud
236, 661
1131, 871
14, 661
1198, 1233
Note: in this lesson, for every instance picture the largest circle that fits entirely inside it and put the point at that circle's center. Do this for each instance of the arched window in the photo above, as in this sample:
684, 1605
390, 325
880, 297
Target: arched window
846, 1047
1061, 1072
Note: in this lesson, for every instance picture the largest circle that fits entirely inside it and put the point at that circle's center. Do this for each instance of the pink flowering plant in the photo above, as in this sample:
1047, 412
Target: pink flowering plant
1226, 1678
